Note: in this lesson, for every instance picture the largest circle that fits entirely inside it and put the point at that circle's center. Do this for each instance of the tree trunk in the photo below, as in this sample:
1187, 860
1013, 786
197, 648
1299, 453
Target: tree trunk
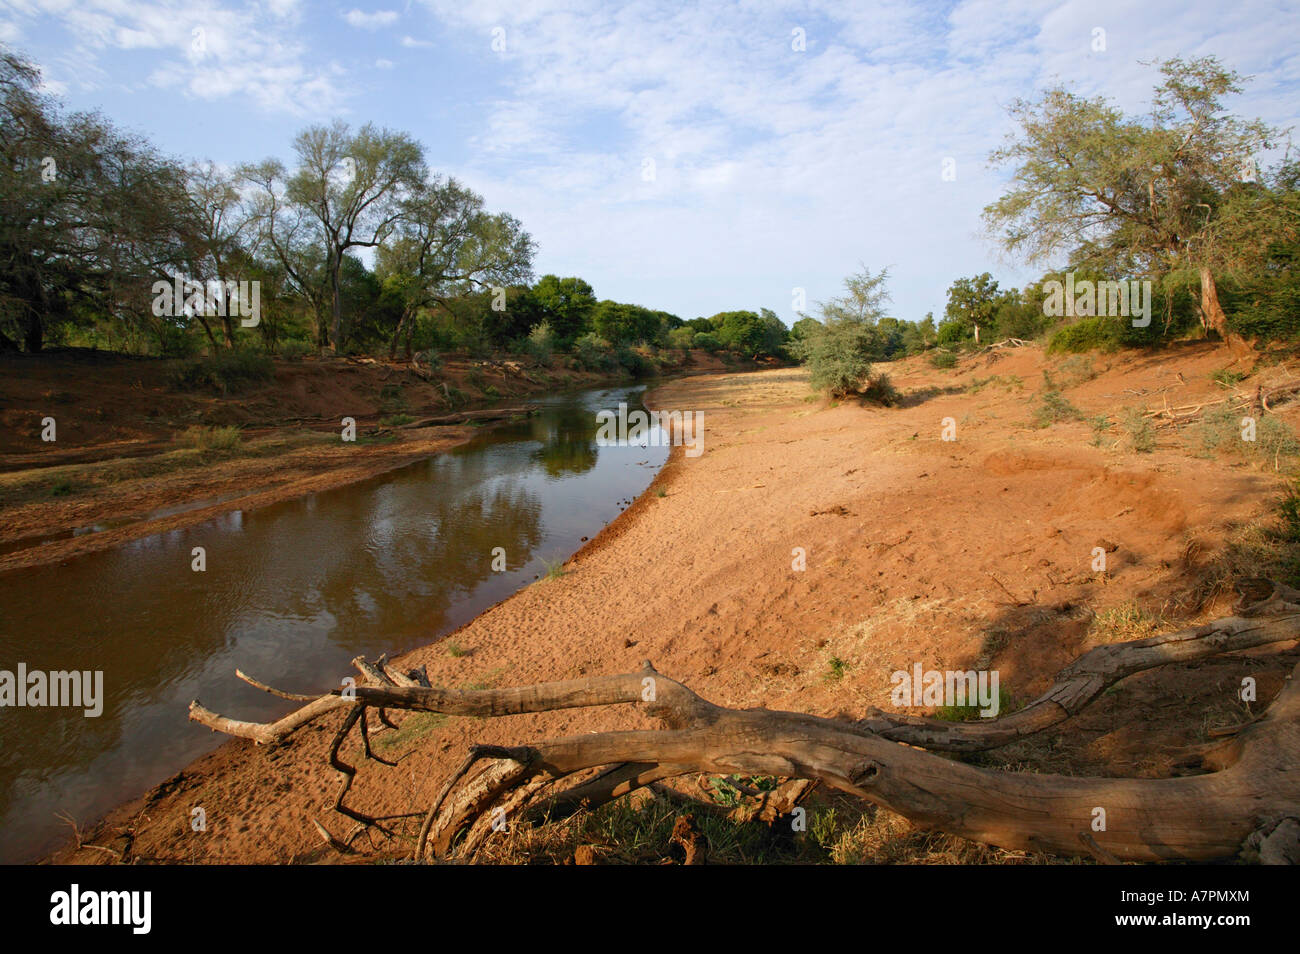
397, 336
336, 284
1212, 316
1253, 785
33, 333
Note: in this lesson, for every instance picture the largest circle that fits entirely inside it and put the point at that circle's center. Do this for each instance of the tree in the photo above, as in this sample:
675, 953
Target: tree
620, 323
221, 221
839, 355
568, 304
1125, 194
355, 188
89, 217
864, 301
446, 244
972, 303
283, 231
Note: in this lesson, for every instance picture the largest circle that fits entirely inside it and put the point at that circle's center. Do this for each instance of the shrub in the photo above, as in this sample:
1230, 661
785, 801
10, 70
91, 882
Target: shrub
1222, 428
541, 342
1102, 334
1228, 377
943, 359
838, 356
594, 353
707, 341
1054, 409
429, 358
176, 342
682, 338
880, 389
226, 372
1141, 435
295, 350
634, 363
1087, 334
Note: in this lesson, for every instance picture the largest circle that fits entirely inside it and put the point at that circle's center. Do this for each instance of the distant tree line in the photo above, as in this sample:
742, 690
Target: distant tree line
93, 221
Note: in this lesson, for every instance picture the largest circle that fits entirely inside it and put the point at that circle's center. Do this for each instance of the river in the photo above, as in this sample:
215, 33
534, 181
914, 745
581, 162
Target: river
290, 594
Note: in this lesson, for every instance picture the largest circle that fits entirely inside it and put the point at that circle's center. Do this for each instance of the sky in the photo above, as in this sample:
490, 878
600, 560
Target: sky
690, 157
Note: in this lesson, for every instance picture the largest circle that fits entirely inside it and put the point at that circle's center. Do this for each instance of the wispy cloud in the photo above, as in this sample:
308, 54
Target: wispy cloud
197, 47
370, 21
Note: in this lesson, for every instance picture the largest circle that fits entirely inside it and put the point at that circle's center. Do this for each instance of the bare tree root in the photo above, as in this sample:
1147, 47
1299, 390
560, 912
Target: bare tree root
1251, 798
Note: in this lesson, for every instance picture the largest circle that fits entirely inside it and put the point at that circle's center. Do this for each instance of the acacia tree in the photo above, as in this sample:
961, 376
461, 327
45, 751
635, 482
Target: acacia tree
1127, 194
444, 244
839, 352
354, 189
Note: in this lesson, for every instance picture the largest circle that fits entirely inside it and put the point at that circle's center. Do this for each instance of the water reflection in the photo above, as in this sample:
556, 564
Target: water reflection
290, 594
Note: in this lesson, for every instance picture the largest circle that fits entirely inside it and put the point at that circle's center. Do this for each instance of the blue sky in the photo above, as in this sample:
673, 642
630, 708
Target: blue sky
773, 168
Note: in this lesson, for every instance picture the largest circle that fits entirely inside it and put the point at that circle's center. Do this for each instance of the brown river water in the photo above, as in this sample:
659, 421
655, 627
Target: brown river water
291, 593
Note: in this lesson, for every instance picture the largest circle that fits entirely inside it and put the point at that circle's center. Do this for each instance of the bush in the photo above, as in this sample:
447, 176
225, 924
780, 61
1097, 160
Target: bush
541, 342
594, 353
1141, 435
943, 359
839, 357
1102, 334
880, 389
1054, 409
295, 350
175, 342
1087, 334
635, 363
226, 372
1221, 429
682, 338
707, 341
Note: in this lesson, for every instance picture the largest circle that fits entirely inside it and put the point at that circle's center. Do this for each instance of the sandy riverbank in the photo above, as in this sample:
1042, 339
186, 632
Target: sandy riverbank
917, 550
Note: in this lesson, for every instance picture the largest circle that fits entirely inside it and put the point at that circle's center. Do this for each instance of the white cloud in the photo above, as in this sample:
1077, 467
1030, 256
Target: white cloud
370, 21
383, 64
411, 41
200, 48
796, 166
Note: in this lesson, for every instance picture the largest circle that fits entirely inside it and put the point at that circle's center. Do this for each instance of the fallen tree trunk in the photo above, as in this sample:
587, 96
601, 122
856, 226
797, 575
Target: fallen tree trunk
1254, 788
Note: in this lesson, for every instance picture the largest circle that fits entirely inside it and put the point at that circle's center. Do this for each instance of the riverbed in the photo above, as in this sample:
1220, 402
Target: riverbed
288, 593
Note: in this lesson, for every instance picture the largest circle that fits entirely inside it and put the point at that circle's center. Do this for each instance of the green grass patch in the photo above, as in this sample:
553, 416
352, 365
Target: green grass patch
221, 439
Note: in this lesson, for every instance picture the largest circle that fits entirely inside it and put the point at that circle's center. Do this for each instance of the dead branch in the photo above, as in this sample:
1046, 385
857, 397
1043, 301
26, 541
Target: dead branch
1255, 782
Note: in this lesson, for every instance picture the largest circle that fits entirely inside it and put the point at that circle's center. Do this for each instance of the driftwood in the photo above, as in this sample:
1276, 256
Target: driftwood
1249, 800
466, 417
